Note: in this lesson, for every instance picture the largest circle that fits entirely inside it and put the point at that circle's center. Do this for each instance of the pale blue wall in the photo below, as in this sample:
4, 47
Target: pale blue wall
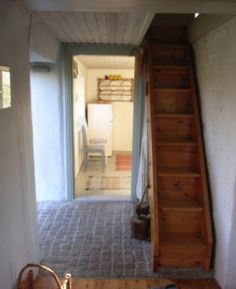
48, 132
48, 113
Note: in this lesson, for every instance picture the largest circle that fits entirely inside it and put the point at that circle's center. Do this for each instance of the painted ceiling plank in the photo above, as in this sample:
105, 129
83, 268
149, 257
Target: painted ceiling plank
143, 20
102, 27
91, 22
148, 6
139, 19
146, 22
83, 27
46, 17
121, 27
75, 27
113, 28
80, 27
132, 28
43, 16
111, 19
57, 18
66, 21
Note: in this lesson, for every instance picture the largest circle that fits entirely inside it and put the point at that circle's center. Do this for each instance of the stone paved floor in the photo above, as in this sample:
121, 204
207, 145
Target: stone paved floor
91, 239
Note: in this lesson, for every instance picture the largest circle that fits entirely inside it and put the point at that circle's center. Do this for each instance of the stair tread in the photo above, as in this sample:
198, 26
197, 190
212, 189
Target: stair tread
168, 45
178, 170
172, 67
175, 140
181, 239
180, 204
177, 173
176, 143
174, 115
172, 89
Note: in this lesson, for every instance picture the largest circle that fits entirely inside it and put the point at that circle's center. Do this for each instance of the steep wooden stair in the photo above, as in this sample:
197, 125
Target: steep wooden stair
181, 220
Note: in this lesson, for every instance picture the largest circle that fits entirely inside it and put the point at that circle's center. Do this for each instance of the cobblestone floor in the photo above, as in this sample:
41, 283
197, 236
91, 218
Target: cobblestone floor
91, 239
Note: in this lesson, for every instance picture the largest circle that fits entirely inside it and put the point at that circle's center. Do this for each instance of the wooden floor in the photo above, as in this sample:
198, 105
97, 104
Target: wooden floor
43, 283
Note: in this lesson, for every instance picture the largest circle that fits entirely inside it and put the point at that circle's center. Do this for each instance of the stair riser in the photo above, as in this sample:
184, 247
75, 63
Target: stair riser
179, 187
168, 35
179, 256
173, 102
169, 56
168, 78
175, 129
177, 158
180, 221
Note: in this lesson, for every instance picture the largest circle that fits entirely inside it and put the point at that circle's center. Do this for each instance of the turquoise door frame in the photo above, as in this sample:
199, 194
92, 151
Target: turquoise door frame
70, 50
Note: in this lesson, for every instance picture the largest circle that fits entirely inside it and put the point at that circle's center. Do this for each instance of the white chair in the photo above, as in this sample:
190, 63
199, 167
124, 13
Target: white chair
93, 146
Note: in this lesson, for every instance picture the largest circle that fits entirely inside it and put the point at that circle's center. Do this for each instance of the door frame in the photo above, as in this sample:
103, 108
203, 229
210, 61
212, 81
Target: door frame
69, 51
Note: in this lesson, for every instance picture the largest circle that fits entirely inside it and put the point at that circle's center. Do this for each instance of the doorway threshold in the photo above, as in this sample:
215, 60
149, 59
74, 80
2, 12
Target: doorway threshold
105, 198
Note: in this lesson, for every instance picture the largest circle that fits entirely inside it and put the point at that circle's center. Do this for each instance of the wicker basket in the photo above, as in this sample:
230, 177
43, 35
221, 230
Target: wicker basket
26, 277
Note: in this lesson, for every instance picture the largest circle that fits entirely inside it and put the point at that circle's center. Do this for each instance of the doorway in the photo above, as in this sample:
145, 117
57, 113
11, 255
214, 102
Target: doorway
103, 93
87, 230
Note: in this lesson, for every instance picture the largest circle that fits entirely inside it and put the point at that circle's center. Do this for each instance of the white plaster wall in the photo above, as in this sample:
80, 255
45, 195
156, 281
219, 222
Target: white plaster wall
43, 41
83, 72
216, 69
48, 132
18, 236
205, 23
122, 136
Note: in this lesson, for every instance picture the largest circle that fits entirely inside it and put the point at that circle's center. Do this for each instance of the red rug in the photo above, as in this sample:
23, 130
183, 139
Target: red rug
123, 162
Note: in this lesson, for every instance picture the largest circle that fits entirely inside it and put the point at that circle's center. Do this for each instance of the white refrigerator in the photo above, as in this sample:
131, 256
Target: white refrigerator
100, 124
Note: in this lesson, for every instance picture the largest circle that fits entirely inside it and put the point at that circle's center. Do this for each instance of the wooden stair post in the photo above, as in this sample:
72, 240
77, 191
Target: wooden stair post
180, 214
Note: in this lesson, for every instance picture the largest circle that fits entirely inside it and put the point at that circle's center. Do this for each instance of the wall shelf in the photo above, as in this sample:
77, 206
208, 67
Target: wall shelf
115, 90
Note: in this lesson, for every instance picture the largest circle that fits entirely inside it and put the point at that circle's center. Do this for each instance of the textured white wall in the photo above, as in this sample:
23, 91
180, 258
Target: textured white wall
216, 69
18, 236
230, 278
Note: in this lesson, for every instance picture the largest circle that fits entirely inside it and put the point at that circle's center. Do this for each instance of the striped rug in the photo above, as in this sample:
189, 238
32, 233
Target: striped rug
108, 183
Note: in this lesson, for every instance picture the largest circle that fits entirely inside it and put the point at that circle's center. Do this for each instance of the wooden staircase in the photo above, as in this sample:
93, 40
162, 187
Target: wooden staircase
181, 220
